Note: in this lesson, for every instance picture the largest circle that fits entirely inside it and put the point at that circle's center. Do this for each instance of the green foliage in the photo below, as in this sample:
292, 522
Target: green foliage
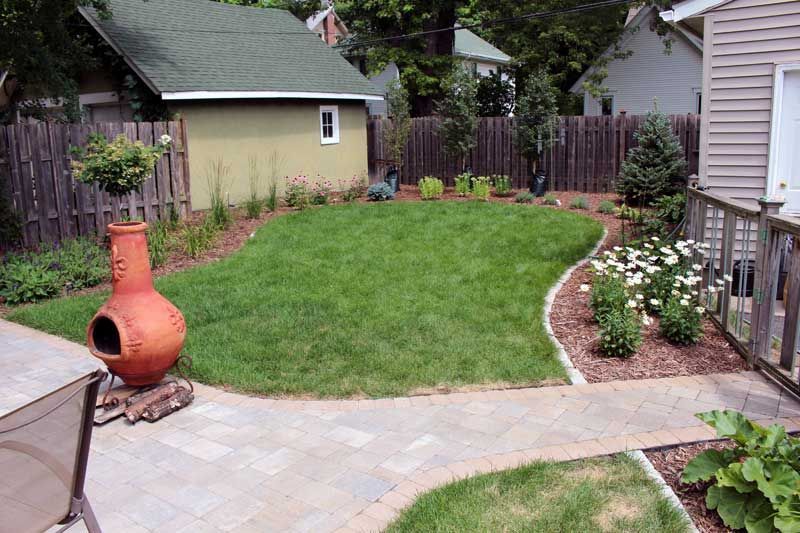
671, 209
354, 189
755, 485
463, 182
481, 187
430, 188
302, 9
607, 207
458, 111
620, 333
536, 116
298, 192
502, 185
10, 226
199, 238
525, 197
395, 133
118, 167
681, 320
608, 295
254, 204
321, 191
656, 166
550, 199
629, 213
380, 192
74, 264
276, 161
495, 96
271, 201
158, 243
579, 202
218, 180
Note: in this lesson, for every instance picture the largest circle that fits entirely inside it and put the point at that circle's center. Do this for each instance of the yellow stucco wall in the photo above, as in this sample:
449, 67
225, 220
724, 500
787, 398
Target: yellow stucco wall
237, 130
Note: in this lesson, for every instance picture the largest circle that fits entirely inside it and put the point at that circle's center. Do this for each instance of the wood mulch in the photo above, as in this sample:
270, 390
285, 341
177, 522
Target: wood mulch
670, 463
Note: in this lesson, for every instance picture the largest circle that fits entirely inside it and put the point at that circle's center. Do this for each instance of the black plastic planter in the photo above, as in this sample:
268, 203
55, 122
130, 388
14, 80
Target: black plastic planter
748, 269
539, 184
392, 179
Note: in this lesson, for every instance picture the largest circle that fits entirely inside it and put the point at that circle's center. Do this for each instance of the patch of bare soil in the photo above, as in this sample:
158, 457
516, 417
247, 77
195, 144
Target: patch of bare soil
670, 463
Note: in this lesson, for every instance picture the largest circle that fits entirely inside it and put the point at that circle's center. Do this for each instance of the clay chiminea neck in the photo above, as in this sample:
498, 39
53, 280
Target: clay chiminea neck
138, 333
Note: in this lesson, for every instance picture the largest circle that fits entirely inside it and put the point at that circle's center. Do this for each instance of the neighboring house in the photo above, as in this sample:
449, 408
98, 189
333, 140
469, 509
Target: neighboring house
248, 81
750, 131
648, 72
477, 55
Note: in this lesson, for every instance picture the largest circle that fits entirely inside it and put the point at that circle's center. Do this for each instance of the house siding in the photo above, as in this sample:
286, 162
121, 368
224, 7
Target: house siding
748, 38
675, 78
238, 130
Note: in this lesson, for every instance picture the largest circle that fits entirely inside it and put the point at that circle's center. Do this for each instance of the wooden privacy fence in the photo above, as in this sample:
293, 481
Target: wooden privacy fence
51, 205
755, 251
585, 158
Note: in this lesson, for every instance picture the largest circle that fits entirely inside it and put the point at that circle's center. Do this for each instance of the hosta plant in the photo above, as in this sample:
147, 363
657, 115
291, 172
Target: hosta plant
431, 188
756, 484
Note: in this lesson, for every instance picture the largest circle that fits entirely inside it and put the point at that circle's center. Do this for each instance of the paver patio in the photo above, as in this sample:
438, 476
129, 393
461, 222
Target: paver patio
236, 463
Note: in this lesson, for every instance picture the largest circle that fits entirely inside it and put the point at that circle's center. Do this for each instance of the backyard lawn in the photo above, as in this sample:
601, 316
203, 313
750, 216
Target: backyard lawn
604, 494
370, 299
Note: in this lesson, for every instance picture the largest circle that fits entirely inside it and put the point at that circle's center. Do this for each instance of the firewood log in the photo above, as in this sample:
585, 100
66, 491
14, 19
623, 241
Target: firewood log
137, 407
157, 410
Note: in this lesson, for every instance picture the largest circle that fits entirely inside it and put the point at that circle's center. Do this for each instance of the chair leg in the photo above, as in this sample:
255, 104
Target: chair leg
89, 518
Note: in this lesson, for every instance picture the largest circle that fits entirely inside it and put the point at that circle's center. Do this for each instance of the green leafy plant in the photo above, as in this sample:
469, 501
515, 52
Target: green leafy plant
502, 185
174, 216
608, 295
118, 167
670, 209
607, 207
298, 193
458, 111
536, 117
430, 188
756, 484
620, 333
681, 320
22, 282
380, 192
525, 197
158, 243
80, 262
481, 187
495, 96
628, 213
463, 183
271, 201
579, 202
395, 132
321, 191
217, 180
353, 189
275, 162
550, 199
254, 204
199, 238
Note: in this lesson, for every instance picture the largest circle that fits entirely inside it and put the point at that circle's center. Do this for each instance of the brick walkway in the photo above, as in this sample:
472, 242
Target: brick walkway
236, 463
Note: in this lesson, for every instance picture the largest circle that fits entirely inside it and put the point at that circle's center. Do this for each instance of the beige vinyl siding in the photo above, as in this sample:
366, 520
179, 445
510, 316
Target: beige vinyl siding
748, 37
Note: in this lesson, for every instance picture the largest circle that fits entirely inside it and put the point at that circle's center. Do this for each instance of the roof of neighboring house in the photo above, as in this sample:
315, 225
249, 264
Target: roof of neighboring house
469, 45
190, 49
639, 16
690, 8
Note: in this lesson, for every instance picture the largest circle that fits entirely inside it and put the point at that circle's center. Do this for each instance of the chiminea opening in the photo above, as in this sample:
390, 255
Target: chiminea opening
105, 336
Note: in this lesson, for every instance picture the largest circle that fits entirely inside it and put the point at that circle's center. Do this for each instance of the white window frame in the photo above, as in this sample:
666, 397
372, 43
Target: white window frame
334, 111
775, 126
697, 92
613, 104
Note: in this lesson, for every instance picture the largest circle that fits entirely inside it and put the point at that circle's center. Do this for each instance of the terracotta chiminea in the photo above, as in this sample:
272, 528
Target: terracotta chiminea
138, 333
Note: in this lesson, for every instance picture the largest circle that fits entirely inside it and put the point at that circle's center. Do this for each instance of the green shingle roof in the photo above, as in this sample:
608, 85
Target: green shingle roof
200, 45
470, 45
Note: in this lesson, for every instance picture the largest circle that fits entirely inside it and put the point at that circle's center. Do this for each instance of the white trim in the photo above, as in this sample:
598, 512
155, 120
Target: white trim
775, 127
224, 95
334, 111
689, 9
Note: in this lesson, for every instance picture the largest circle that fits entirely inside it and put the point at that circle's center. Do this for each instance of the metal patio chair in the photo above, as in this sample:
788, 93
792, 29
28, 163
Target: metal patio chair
44, 450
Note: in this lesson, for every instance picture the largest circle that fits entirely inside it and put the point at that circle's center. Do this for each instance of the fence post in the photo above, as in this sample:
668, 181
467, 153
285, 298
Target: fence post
761, 329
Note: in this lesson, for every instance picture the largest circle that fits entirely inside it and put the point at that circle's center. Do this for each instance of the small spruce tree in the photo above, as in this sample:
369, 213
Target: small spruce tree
656, 166
458, 111
536, 117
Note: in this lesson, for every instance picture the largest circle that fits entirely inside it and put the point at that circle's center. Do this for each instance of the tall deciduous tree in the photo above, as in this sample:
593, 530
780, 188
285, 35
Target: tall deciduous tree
495, 96
396, 133
458, 109
536, 117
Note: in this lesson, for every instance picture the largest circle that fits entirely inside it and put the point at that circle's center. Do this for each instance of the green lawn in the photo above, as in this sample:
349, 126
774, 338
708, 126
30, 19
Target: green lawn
372, 299
605, 494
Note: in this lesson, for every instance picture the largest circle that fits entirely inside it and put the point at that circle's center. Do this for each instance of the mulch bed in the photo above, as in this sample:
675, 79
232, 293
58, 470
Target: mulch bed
670, 463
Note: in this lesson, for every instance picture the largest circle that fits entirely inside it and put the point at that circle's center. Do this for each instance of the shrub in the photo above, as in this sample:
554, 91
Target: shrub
353, 189
756, 484
550, 199
158, 243
271, 202
81, 263
620, 333
380, 192
118, 167
199, 238
22, 282
671, 209
253, 205
217, 179
481, 188
458, 114
321, 191
681, 320
579, 202
607, 207
526, 197
608, 295
463, 183
502, 185
430, 188
297, 192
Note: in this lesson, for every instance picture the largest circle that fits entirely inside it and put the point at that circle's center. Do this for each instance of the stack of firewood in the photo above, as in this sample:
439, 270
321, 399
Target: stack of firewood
157, 403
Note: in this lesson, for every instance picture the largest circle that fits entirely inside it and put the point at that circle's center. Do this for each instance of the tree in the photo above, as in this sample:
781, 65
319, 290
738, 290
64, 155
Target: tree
396, 133
536, 118
495, 96
43, 53
656, 166
301, 9
458, 110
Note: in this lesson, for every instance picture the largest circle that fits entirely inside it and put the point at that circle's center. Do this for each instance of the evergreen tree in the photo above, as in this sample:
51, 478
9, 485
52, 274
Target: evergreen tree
536, 117
458, 111
655, 167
